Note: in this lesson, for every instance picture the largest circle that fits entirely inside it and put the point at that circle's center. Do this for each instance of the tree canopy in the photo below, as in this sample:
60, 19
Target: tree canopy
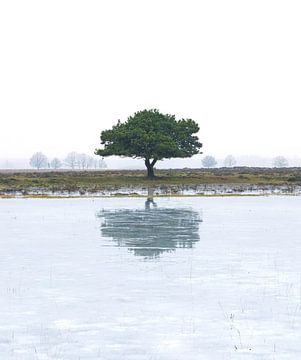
209, 161
152, 136
280, 161
229, 161
38, 160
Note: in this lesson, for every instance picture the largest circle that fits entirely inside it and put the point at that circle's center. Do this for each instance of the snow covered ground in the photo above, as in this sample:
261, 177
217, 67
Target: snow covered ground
181, 278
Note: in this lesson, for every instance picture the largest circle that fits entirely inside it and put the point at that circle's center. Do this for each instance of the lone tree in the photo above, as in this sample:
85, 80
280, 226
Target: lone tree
38, 160
151, 136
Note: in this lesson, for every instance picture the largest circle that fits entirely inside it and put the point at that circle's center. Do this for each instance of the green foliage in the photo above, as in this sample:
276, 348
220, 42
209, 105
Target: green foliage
151, 135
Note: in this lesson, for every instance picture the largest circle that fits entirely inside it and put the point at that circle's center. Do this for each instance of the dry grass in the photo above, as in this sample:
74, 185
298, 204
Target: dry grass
94, 181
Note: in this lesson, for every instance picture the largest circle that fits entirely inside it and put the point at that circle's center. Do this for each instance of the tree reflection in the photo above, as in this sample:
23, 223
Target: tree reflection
151, 231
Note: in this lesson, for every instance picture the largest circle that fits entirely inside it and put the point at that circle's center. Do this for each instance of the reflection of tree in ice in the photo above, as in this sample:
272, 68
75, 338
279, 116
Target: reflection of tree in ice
151, 231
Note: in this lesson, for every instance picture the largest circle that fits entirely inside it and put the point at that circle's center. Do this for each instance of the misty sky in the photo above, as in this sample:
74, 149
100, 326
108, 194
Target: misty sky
69, 69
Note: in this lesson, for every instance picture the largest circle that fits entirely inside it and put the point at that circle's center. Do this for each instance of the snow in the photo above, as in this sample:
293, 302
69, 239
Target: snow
113, 279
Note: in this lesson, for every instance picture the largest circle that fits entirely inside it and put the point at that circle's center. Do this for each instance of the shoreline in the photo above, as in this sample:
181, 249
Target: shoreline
168, 183
212, 191
52, 197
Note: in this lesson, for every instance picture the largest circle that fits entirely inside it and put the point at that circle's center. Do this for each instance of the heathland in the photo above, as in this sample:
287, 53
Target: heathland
83, 182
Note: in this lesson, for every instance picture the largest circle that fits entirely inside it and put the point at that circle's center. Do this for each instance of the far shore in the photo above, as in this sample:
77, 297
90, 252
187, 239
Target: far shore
238, 181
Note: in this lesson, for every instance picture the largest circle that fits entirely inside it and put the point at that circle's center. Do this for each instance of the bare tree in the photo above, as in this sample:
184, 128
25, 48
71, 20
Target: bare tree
86, 161
101, 164
90, 162
229, 161
71, 160
82, 161
209, 161
56, 163
280, 161
38, 160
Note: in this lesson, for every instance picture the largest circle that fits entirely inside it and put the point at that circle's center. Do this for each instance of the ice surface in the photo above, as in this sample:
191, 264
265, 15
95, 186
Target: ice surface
186, 279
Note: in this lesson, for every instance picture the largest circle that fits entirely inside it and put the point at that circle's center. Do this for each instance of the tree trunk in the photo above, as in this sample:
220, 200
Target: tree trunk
150, 168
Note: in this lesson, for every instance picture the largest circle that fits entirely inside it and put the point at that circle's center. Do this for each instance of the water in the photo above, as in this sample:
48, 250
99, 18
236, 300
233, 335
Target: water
186, 279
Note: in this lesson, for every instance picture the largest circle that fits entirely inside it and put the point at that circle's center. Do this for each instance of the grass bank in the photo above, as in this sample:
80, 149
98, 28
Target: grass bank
97, 181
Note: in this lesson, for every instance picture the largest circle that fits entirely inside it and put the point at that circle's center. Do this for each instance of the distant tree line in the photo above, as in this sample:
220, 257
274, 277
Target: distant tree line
76, 161
230, 161
210, 161
73, 161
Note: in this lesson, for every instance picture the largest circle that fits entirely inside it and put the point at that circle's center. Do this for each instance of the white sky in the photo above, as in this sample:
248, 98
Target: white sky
69, 69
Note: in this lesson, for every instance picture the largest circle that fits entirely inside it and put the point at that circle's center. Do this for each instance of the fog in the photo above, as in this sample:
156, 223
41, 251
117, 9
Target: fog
70, 69
115, 162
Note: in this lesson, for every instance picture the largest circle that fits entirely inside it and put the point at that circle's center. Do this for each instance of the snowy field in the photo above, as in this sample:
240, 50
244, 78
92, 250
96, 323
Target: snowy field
181, 279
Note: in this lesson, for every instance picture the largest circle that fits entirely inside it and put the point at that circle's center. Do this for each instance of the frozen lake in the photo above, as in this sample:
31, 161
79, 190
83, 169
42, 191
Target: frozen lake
178, 279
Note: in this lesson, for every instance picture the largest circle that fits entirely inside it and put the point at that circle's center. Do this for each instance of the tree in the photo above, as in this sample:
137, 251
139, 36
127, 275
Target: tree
229, 161
38, 160
280, 161
83, 160
56, 163
151, 136
100, 164
71, 160
209, 161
